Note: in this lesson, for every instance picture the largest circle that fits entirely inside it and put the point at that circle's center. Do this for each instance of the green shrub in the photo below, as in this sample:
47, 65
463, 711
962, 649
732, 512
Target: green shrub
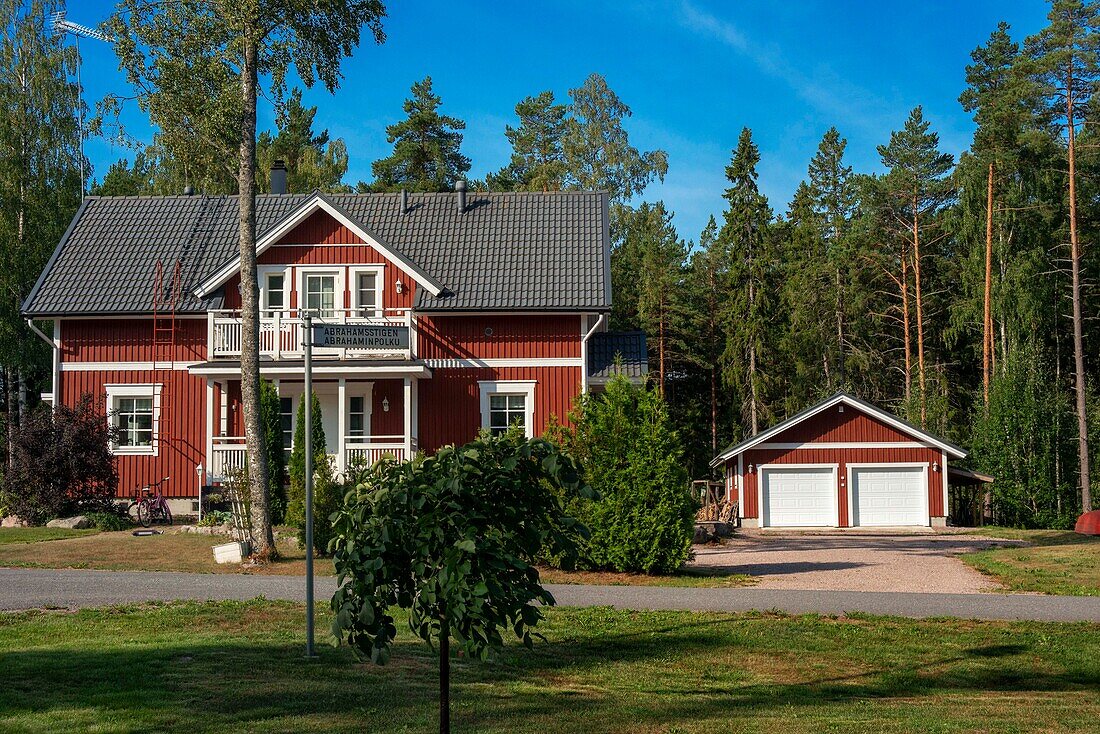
215, 518
61, 463
644, 518
328, 498
296, 498
110, 521
270, 421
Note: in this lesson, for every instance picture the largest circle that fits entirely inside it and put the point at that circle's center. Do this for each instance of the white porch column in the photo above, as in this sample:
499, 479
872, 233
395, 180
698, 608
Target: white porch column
223, 408
407, 426
414, 434
209, 426
341, 424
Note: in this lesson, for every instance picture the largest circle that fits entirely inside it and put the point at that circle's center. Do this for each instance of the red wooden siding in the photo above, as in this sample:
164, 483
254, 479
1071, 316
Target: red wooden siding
842, 457
832, 426
393, 422
510, 337
182, 428
450, 402
128, 340
321, 240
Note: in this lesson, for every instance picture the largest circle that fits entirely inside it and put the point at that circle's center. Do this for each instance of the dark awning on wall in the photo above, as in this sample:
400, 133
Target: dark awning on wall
627, 347
958, 476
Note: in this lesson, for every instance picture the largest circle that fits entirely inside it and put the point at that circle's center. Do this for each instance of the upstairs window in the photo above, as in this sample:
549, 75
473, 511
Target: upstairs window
321, 295
274, 293
366, 295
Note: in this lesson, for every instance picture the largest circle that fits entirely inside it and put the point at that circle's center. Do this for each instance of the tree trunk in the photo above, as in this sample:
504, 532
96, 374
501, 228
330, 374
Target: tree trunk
250, 336
1078, 336
987, 319
714, 408
840, 375
661, 356
920, 313
905, 324
444, 678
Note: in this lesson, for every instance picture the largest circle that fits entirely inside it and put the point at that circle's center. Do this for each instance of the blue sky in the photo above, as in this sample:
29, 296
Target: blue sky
694, 73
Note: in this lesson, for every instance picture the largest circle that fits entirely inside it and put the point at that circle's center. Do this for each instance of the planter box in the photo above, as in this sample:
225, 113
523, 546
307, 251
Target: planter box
231, 552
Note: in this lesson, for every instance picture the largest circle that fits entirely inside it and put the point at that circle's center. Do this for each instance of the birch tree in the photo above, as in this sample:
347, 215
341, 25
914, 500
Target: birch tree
198, 67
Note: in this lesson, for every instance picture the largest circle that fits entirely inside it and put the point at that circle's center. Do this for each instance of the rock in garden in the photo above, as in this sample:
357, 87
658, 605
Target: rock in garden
12, 521
73, 523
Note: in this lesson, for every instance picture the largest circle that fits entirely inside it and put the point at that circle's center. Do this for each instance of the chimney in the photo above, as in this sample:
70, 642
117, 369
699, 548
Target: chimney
460, 188
404, 201
278, 177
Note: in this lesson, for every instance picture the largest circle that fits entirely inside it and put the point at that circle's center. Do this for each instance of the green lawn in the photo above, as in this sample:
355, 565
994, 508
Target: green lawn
122, 551
238, 667
13, 536
1055, 562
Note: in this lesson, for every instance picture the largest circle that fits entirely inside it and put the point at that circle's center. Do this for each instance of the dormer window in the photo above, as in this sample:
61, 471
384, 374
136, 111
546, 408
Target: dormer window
367, 292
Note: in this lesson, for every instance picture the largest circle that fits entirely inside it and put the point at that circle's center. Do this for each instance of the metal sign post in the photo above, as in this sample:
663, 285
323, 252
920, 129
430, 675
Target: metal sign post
308, 412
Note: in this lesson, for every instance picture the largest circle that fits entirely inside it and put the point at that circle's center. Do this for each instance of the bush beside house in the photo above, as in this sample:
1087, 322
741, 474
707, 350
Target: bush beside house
644, 519
61, 463
328, 494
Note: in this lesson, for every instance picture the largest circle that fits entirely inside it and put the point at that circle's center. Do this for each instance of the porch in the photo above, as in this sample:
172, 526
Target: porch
363, 420
282, 336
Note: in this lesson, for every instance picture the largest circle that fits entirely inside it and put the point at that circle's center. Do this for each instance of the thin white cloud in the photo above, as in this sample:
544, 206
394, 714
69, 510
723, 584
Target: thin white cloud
841, 101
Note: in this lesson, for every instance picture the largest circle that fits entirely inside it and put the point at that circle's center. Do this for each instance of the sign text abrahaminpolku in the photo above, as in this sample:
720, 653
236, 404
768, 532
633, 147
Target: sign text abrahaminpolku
361, 336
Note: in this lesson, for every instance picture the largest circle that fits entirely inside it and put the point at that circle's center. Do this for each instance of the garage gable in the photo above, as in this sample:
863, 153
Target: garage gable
841, 421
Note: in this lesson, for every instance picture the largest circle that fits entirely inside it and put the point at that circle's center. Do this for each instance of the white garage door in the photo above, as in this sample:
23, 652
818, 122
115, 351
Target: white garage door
889, 496
799, 497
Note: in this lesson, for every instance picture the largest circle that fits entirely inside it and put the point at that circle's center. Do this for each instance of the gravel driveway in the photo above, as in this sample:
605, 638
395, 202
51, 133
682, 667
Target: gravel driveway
843, 561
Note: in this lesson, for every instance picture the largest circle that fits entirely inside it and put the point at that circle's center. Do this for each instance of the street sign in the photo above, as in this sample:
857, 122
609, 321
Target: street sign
361, 336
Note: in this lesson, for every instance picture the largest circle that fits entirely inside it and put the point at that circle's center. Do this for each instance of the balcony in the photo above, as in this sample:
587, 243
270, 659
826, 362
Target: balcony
228, 453
281, 333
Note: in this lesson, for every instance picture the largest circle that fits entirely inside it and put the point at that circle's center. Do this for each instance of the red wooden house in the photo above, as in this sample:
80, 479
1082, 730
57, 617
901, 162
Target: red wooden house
842, 463
504, 298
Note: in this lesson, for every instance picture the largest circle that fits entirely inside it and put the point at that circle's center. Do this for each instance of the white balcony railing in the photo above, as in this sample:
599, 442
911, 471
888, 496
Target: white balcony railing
281, 333
228, 453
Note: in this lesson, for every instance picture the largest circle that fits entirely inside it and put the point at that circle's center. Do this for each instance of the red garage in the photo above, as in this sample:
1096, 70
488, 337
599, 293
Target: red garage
840, 463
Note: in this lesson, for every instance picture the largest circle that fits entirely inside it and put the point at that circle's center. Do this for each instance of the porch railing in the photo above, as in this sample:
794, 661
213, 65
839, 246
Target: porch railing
228, 453
281, 333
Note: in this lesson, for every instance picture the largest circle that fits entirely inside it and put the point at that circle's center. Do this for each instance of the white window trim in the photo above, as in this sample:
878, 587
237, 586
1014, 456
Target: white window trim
379, 272
367, 393
115, 391
339, 286
509, 387
263, 273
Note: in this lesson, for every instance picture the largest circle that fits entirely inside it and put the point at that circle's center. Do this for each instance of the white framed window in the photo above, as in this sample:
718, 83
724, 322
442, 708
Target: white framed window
366, 291
273, 292
134, 411
320, 294
286, 423
357, 416
507, 402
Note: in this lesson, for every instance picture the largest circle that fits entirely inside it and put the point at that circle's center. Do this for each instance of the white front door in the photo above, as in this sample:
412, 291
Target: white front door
890, 496
798, 497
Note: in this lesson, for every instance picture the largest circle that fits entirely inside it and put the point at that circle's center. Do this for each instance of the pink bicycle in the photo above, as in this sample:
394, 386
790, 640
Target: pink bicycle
150, 506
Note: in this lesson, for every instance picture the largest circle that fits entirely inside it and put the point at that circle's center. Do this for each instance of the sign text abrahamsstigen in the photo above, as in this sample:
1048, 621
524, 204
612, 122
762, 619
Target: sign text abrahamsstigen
361, 336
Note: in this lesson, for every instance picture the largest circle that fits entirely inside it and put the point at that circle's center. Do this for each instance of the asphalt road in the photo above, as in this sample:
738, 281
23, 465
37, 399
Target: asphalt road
31, 589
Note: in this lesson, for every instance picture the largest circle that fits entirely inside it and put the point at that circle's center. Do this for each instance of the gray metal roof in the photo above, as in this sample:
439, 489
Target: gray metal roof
507, 251
628, 347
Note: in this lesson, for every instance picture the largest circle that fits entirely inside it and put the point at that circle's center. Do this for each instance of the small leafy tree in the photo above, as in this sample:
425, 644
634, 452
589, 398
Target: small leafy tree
452, 539
270, 419
644, 519
61, 463
296, 503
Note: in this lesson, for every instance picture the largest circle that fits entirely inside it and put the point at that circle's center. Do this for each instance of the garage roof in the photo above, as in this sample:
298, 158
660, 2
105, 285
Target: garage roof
837, 399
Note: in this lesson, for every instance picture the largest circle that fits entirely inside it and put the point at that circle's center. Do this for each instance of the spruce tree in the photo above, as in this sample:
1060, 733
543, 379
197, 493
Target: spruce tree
706, 291
749, 309
427, 145
313, 160
538, 160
